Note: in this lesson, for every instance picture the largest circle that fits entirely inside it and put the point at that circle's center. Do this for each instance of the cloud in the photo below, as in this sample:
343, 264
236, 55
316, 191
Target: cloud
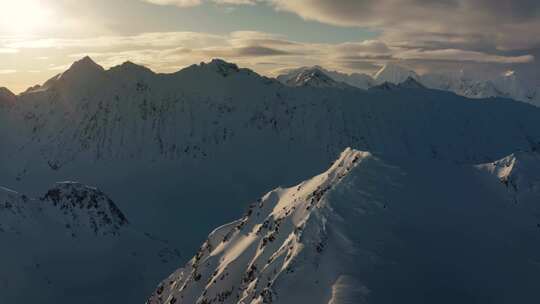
247, 51
461, 56
367, 46
8, 51
508, 24
4, 72
192, 3
179, 3
168, 51
236, 2
154, 40
477, 31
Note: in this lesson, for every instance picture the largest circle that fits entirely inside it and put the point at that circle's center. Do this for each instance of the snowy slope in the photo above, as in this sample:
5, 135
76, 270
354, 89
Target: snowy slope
369, 231
72, 242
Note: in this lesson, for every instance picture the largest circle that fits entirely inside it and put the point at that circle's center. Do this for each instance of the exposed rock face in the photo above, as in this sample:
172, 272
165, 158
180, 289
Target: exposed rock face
79, 203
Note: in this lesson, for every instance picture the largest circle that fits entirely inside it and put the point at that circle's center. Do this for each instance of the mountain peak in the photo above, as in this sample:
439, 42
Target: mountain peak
131, 68
6, 96
359, 80
84, 202
245, 261
221, 66
394, 73
385, 86
517, 171
86, 63
81, 70
411, 83
314, 77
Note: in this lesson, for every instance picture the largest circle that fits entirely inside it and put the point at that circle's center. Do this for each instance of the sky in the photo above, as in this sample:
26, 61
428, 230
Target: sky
41, 38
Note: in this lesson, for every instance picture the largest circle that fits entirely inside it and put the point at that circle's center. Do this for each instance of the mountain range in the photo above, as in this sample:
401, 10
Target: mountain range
507, 85
183, 152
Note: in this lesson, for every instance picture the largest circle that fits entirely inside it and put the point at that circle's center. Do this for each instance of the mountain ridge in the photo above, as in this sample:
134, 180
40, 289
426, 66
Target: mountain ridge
334, 238
507, 85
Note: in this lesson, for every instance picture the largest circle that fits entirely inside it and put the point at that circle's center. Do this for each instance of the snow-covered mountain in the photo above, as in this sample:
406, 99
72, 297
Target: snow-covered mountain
213, 136
315, 78
394, 73
358, 80
409, 83
72, 242
370, 231
519, 173
164, 139
507, 85
78, 207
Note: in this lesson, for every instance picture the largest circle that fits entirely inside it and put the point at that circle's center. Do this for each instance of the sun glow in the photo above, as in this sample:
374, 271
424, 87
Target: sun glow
23, 16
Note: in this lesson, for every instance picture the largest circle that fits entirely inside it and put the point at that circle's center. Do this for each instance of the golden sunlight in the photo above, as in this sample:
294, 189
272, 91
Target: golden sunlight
23, 17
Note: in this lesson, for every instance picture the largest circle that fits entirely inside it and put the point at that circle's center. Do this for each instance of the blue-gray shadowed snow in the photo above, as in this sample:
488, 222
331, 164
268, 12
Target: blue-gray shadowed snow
371, 231
73, 245
180, 153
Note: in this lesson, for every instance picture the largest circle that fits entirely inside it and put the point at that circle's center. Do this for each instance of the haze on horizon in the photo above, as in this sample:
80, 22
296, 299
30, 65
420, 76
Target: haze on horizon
39, 39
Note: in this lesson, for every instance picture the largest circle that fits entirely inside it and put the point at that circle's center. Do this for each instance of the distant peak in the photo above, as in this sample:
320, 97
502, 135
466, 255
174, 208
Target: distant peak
411, 83
221, 66
394, 73
309, 75
219, 61
80, 70
517, 171
314, 77
385, 86
6, 96
6, 92
86, 62
314, 72
131, 67
76, 197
